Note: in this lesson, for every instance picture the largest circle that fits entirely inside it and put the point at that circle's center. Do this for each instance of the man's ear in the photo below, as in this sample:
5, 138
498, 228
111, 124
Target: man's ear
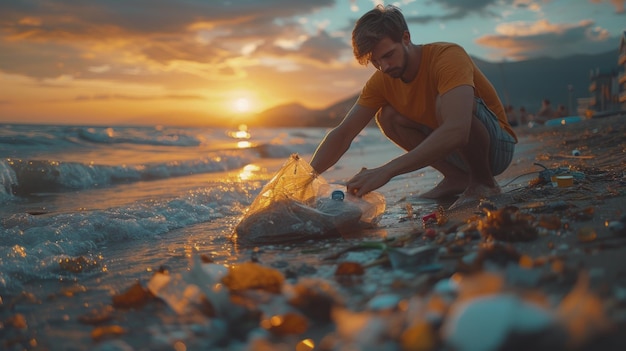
406, 38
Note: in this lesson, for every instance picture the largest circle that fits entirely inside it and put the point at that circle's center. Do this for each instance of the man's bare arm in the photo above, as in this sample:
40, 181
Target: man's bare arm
455, 120
338, 140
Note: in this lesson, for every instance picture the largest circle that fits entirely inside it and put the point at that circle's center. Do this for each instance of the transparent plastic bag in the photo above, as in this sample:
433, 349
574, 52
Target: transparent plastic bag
298, 205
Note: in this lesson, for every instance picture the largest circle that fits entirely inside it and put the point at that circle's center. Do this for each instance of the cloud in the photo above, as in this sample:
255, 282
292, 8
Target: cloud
102, 97
323, 47
458, 9
619, 5
523, 40
112, 18
61, 37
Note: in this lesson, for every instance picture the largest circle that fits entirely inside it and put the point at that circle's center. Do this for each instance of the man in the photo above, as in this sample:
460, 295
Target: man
432, 101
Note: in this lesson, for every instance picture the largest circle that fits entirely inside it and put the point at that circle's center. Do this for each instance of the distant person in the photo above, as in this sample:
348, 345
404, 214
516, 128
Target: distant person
545, 112
561, 111
524, 118
511, 116
432, 101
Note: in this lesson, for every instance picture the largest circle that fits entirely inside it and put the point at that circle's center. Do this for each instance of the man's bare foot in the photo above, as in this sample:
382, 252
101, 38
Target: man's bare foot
473, 194
446, 188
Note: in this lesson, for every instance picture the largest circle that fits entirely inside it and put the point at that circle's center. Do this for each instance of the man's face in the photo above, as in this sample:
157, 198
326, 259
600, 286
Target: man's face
390, 57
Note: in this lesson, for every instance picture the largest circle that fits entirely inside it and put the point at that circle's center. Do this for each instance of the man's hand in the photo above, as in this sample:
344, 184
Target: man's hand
367, 180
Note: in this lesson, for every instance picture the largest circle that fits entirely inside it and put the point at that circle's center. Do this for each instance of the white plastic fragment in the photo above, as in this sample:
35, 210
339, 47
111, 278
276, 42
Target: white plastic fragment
483, 324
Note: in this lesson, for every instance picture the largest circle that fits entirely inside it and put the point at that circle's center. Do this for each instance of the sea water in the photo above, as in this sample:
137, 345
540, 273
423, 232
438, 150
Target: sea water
129, 199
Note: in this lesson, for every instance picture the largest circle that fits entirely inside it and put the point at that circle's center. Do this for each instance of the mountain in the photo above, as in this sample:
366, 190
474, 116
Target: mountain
526, 83
522, 83
293, 115
297, 115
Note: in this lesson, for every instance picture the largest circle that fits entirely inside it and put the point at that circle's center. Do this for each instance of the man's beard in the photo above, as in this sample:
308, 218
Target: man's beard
397, 72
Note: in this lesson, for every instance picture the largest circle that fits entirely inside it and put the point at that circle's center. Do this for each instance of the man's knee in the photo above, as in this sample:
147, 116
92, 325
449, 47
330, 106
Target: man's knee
386, 117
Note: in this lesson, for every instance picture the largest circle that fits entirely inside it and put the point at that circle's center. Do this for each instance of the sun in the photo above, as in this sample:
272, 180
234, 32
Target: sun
241, 105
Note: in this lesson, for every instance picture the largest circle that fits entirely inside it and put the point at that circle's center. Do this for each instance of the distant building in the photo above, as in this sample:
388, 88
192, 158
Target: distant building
603, 89
583, 106
608, 87
621, 77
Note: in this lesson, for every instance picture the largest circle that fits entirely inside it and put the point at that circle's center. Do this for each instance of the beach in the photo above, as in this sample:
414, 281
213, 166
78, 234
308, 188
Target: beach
537, 267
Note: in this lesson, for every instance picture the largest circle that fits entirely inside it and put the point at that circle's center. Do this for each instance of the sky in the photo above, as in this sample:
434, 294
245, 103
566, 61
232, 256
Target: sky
194, 62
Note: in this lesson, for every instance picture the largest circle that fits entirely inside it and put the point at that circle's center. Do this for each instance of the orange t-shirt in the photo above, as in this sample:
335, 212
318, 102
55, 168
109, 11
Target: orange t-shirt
444, 66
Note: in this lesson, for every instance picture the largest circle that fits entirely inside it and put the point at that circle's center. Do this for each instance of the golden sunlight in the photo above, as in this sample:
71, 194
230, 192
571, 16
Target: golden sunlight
241, 105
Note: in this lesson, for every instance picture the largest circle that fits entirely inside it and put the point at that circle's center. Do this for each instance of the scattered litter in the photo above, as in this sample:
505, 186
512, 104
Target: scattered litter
564, 181
134, 297
508, 224
413, 258
618, 227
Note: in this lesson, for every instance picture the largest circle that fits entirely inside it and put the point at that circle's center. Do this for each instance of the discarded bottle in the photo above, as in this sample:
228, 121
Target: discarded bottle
337, 195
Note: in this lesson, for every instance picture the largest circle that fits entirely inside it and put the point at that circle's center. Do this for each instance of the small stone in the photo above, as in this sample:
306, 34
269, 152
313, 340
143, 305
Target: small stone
419, 337
586, 235
385, 302
349, 269
470, 258
617, 227
287, 324
445, 287
108, 331
563, 248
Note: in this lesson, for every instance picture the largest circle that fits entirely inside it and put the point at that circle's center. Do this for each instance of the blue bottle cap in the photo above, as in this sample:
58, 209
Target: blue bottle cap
337, 195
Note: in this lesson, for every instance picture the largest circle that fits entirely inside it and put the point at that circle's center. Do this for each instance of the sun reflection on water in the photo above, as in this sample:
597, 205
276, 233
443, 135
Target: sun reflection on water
241, 132
244, 144
248, 171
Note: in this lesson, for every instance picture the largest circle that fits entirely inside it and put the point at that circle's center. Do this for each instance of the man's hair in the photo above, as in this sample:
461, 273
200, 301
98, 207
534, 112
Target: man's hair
376, 24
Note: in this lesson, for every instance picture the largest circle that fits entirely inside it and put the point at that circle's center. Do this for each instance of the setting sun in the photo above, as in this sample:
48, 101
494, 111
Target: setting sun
242, 105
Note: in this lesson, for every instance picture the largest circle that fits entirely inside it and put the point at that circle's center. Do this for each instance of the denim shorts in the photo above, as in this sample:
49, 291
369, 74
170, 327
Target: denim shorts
501, 147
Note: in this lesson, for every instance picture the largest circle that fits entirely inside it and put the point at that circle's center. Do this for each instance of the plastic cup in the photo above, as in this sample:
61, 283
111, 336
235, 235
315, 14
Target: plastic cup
564, 181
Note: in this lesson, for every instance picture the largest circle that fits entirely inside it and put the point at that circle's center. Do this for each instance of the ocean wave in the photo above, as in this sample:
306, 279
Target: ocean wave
272, 150
23, 177
8, 180
142, 136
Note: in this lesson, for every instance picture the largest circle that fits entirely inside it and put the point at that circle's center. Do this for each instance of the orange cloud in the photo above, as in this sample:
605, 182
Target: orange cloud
522, 40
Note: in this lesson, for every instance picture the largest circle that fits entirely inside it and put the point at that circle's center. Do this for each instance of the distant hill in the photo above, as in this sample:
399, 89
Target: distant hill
526, 83
293, 114
523, 83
